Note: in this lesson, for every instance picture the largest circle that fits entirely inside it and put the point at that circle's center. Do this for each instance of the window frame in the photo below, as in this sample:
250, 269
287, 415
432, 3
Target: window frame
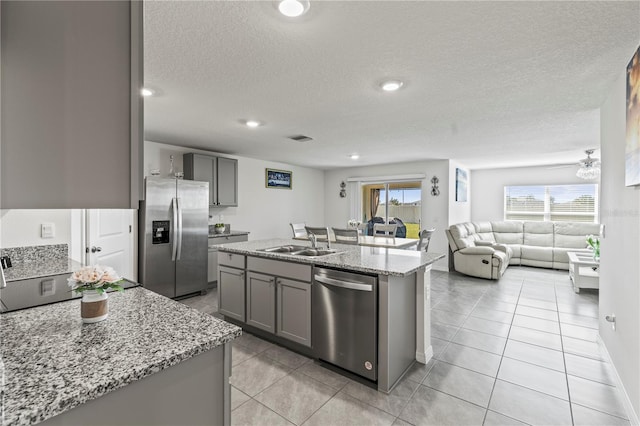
547, 213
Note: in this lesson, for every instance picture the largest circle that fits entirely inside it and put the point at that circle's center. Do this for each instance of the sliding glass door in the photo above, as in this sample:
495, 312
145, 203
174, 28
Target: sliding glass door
393, 202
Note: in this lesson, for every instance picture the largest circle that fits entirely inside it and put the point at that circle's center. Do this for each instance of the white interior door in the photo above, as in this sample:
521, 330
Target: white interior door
110, 240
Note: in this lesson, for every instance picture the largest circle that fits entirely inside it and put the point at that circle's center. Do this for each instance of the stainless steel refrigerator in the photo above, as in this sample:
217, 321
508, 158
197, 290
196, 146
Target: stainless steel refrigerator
173, 226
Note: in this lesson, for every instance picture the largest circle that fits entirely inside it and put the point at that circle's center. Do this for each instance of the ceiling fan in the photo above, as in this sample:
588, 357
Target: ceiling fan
589, 167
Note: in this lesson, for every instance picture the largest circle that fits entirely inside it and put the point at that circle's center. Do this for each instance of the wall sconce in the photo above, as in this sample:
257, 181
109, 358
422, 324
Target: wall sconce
435, 191
343, 191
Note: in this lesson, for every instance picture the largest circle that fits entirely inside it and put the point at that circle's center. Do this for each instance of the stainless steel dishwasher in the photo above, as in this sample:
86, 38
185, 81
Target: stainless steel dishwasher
345, 320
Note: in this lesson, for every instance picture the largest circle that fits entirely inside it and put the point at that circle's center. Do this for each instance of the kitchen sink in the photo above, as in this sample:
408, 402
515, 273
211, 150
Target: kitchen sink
311, 252
305, 251
285, 249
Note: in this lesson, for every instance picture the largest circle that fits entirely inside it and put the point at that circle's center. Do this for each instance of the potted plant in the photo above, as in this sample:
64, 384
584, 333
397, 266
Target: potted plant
594, 244
219, 228
93, 282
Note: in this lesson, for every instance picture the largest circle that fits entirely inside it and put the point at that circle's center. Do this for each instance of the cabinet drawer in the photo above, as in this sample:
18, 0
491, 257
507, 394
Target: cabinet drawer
224, 239
231, 259
280, 268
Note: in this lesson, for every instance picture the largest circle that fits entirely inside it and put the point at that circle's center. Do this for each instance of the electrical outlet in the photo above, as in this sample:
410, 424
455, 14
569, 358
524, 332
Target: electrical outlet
5, 261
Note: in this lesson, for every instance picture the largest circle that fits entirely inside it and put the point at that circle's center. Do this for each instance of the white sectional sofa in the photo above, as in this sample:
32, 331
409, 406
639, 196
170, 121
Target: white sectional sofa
485, 249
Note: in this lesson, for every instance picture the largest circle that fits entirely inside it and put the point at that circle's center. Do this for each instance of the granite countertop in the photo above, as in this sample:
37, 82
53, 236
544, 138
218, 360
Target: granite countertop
41, 268
229, 234
52, 362
376, 260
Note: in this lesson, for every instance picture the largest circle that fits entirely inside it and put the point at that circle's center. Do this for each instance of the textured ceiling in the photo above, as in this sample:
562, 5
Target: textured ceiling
486, 83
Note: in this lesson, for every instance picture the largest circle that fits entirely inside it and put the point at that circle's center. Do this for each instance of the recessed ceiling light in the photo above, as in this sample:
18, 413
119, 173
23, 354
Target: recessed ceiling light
354, 156
146, 92
391, 85
293, 8
253, 123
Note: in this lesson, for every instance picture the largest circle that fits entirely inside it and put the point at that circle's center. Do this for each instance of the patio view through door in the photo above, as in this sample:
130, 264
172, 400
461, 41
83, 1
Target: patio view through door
393, 202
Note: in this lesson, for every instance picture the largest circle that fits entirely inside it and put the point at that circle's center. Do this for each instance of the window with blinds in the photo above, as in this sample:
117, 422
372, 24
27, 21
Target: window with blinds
567, 203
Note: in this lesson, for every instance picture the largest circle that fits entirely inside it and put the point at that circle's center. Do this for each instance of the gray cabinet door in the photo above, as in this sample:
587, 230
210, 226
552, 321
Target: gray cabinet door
231, 292
202, 168
71, 108
261, 301
294, 311
220, 172
227, 182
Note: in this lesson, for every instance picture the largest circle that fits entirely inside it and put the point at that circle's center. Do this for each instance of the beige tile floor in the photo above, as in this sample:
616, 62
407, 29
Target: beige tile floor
522, 350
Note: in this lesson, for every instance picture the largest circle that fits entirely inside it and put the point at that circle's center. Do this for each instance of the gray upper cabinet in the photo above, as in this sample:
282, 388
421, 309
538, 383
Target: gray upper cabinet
220, 172
227, 181
71, 111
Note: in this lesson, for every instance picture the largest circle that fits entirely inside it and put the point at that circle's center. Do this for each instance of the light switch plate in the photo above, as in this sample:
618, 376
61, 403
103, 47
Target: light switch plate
48, 230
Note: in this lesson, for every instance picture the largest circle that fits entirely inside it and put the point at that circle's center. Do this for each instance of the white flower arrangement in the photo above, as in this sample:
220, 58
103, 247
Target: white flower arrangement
353, 223
98, 278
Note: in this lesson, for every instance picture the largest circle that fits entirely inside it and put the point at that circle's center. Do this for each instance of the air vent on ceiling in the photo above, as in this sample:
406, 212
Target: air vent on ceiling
300, 138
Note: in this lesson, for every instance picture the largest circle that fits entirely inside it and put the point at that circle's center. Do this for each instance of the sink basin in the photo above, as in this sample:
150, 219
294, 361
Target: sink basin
310, 252
285, 249
300, 251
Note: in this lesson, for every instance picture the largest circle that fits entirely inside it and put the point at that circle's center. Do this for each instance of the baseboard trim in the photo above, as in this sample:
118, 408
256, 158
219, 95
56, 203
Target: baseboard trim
631, 413
425, 357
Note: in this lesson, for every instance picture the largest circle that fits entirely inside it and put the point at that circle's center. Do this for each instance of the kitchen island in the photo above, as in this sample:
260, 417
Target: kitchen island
153, 361
264, 290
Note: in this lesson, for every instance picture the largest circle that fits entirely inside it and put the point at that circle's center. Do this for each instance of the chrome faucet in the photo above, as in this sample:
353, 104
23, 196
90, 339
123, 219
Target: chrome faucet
313, 239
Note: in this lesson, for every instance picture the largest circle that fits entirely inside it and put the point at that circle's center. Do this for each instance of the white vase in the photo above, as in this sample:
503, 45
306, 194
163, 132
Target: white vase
218, 229
94, 306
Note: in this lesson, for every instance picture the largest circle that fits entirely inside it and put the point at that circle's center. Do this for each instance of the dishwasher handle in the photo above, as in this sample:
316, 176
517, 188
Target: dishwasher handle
343, 284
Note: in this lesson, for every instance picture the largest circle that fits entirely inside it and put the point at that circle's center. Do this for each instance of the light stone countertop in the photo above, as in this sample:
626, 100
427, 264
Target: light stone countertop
228, 234
52, 362
374, 260
42, 268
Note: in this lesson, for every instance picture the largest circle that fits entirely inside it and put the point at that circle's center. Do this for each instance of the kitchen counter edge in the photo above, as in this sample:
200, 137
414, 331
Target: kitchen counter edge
44, 374
396, 262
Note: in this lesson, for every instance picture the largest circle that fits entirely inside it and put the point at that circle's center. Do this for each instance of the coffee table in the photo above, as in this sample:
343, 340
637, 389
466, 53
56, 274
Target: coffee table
583, 270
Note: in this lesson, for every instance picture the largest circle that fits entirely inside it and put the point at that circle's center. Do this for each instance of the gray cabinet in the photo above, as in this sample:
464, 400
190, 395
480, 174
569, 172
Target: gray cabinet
231, 292
227, 183
212, 275
220, 172
261, 301
212, 265
71, 108
288, 296
293, 318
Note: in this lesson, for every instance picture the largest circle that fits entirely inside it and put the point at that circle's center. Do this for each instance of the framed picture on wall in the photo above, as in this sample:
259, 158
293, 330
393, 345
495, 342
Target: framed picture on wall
280, 179
461, 185
632, 149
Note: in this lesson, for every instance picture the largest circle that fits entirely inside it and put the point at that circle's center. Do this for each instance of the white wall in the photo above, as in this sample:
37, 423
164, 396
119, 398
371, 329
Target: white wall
620, 248
435, 210
22, 227
487, 194
265, 212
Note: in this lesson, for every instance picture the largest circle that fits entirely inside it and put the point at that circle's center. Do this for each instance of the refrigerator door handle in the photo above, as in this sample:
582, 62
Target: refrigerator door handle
174, 211
179, 228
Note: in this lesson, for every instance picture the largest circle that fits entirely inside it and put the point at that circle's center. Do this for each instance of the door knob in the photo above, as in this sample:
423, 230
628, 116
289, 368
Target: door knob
96, 249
